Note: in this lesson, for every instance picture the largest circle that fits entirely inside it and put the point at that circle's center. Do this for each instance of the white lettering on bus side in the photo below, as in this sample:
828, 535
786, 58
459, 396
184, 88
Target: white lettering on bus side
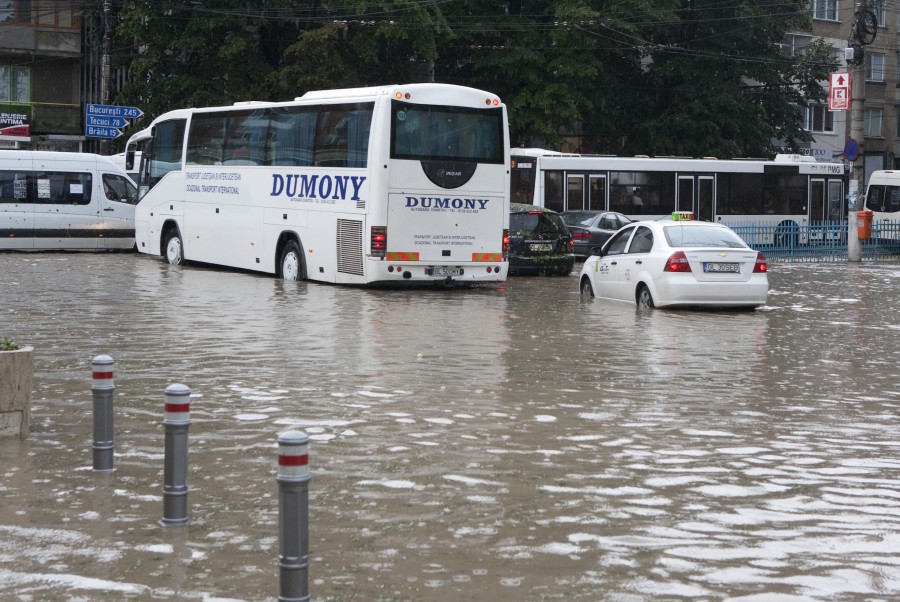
426, 202
309, 186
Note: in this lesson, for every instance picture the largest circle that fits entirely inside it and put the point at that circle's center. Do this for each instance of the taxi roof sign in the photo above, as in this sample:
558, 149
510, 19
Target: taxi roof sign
682, 216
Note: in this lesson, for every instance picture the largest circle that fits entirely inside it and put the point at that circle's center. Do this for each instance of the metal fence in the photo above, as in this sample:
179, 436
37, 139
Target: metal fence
824, 241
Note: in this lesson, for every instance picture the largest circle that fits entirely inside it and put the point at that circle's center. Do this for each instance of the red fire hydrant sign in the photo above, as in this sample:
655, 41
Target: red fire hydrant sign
839, 91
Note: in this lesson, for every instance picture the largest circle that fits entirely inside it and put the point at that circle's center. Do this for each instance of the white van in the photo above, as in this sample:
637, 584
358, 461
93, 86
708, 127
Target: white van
66, 201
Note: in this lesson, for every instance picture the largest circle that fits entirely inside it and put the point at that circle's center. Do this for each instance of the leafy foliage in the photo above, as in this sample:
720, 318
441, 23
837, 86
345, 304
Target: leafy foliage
661, 77
8, 345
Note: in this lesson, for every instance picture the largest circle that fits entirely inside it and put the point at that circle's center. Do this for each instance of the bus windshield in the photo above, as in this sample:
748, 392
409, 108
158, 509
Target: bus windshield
430, 132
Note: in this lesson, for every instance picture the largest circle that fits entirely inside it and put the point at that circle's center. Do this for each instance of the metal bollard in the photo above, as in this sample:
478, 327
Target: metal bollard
293, 516
103, 389
176, 422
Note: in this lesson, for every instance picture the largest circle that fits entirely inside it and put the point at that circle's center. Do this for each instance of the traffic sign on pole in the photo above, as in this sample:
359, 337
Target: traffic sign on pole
851, 150
107, 122
839, 91
92, 131
113, 111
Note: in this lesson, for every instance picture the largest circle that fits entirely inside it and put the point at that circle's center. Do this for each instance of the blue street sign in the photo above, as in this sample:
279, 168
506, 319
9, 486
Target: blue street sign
91, 131
113, 111
851, 150
107, 122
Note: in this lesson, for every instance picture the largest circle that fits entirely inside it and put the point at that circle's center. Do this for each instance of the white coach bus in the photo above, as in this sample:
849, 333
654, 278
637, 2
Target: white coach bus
404, 183
64, 201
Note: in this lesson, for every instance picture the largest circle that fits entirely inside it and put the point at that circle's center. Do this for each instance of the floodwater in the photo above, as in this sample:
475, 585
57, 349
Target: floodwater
501, 443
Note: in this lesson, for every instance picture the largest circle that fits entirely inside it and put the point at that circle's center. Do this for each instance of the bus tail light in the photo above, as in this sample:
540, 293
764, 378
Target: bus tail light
379, 241
678, 262
505, 245
761, 267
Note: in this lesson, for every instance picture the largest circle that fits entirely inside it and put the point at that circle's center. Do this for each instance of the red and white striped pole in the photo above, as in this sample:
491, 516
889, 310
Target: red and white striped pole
293, 516
176, 422
103, 390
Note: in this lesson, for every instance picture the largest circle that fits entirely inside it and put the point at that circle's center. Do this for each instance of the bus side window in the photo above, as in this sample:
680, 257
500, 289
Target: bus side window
15, 187
875, 198
893, 203
119, 189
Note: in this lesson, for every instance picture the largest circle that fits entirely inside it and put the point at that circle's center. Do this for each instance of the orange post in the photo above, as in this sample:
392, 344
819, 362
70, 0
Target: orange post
864, 224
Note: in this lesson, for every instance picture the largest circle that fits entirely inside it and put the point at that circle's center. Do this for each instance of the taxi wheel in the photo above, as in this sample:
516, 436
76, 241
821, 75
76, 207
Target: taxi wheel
587, 291
291, 265
644, 298
174, 248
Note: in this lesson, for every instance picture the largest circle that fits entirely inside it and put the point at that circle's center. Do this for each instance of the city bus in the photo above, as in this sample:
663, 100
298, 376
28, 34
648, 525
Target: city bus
392, 184
790, 194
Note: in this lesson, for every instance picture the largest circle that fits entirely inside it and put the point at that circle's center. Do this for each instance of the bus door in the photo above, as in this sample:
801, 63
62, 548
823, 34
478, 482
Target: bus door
836, 210
597, 200
575, 192
696, 194
820, 212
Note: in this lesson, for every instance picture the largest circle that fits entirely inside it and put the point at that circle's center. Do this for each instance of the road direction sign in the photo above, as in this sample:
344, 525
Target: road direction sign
113, 111
92, 131
108, 122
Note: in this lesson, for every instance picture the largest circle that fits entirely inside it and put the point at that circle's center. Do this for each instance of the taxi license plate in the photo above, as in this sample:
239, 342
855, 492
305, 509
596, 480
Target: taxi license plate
541, 247
721, 267
446, 271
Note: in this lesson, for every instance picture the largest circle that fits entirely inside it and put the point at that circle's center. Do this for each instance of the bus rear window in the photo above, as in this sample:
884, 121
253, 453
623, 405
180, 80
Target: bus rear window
430, 132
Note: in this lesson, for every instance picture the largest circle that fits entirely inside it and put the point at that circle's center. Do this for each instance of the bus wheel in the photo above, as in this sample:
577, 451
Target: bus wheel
291, 264
587, 291
644, 298
174, 247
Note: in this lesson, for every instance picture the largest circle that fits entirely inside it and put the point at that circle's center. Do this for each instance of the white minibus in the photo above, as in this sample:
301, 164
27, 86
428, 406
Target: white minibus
64, 201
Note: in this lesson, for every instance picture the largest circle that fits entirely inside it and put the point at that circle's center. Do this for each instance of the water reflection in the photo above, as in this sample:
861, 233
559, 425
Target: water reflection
510, 442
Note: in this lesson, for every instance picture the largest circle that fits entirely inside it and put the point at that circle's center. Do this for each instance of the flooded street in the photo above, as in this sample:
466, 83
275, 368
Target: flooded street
501, 443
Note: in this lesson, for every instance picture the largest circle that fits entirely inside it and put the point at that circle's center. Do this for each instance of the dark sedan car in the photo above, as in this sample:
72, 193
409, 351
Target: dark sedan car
539, 242
592, 228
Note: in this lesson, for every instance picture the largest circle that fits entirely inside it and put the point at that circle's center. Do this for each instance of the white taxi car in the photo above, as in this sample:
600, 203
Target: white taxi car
677, 262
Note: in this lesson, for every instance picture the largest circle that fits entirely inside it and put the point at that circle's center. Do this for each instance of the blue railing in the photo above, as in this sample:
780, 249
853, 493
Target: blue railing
823, 241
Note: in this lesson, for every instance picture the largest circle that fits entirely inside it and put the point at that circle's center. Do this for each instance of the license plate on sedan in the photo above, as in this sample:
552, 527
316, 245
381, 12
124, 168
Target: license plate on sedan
721, 267
446, 271
543, 247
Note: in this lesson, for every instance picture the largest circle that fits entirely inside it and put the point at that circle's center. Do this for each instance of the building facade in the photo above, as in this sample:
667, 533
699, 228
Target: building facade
41, 63
833, 21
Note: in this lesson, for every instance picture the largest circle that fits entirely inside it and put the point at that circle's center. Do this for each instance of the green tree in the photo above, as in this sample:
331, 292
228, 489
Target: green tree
199, 53
714, 81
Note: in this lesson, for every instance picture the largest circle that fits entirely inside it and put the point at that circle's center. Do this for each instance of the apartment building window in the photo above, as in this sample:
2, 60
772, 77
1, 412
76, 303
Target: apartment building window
15, 83
874, 67
794, 44
877, 7
825, 9
62, 14
873, 120
819, 119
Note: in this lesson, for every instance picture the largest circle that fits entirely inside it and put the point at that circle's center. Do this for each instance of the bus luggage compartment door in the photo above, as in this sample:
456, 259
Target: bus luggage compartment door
446, 230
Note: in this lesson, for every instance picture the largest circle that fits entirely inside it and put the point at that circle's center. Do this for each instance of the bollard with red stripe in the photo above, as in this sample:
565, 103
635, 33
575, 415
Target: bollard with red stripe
293, 516
176, 422
103, 390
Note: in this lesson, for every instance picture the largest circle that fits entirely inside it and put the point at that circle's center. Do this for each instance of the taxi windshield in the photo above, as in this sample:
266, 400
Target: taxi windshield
702, 236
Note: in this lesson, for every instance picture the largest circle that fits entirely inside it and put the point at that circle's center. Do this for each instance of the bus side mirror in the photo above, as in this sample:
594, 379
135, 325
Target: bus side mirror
129, 160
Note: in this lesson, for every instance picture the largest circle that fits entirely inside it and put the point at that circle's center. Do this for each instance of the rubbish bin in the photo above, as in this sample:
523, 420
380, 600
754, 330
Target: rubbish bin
864, 224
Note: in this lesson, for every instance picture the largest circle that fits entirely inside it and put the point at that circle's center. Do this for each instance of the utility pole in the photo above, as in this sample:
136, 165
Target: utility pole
858, 171
105, 69
865, 27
